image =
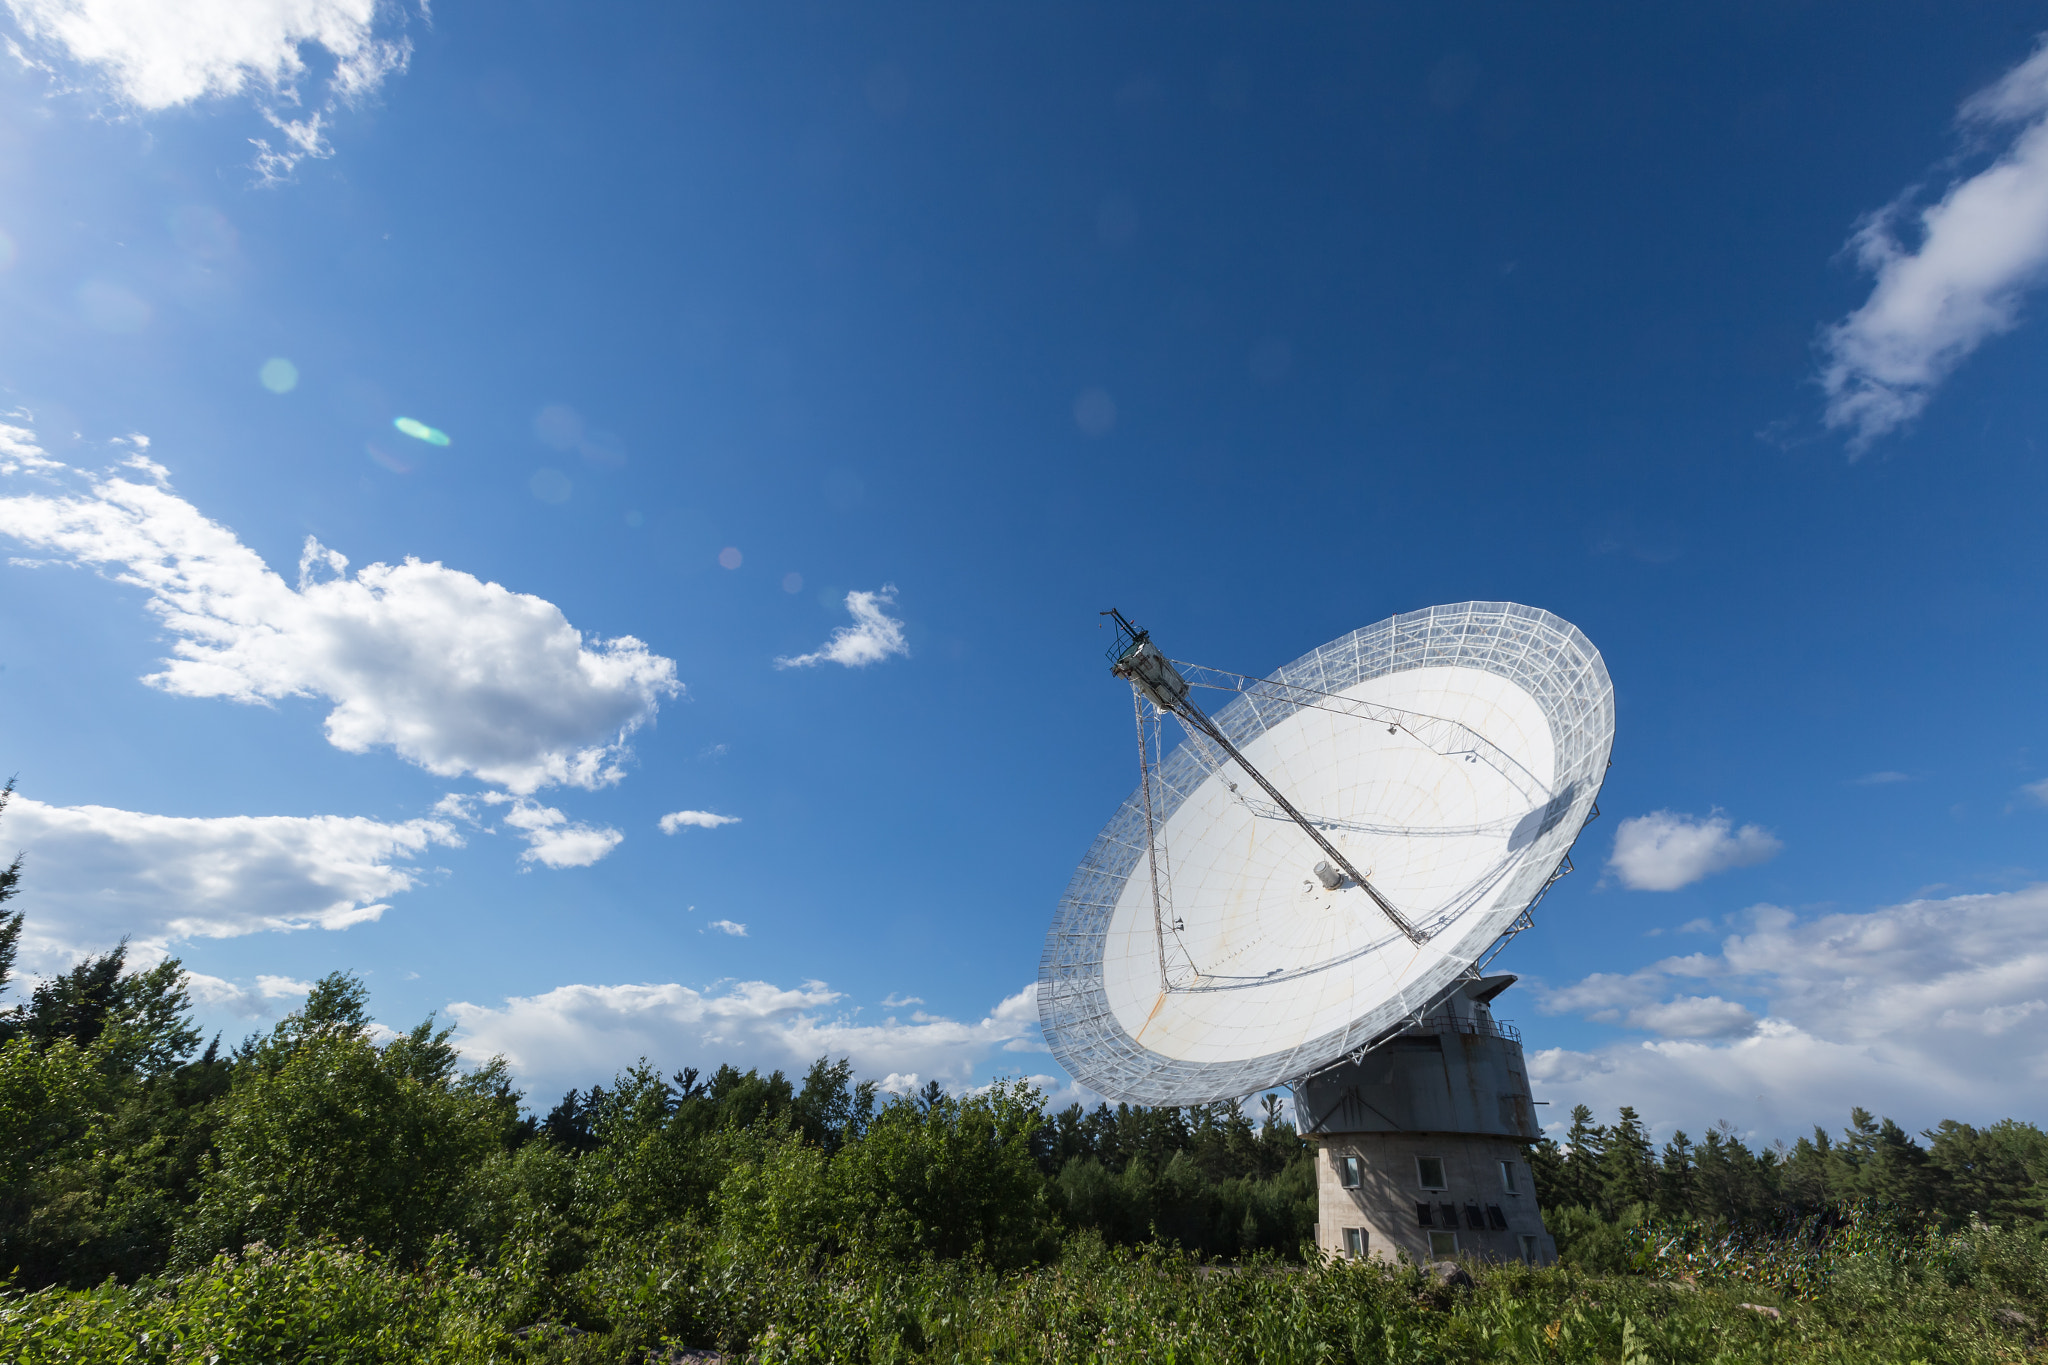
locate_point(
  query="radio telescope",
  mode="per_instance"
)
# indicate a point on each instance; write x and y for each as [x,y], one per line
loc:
[1331,853]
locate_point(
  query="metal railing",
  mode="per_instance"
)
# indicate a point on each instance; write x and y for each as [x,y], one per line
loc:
[1483,1028]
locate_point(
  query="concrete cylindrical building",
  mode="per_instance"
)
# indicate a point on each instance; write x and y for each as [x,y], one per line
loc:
[1422,1144]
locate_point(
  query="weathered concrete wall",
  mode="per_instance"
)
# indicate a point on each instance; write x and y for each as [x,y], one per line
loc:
[1385,1203]
[1453,1089]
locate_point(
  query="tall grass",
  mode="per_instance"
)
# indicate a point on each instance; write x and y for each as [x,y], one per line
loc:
[1861,1290]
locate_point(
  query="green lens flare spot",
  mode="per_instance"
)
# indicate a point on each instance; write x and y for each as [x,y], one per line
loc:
[278,375]
[420,431]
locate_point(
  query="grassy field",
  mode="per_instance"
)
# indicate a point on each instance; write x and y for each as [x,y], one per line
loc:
[1864,1292]
[327,1193]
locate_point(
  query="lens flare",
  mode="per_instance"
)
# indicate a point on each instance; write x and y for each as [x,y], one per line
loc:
[111,308]
[550,485]
[792,582]
[420,431]
[384,457]
[729,558]
[278,375]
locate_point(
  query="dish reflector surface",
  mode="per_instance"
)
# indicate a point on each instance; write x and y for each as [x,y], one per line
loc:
[1451,754]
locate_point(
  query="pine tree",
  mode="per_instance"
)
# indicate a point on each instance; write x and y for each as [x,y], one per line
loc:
[1624,1165]
[10,882]
[1584,1142]
[1675,1178]
[1804,1181]
[1998,1174]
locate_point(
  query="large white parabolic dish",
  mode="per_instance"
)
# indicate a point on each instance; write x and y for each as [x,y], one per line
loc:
[1452,755]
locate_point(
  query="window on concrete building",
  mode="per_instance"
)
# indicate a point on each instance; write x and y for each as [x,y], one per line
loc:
[1355,1240]
[1474,1219]
[1425,1214]
[1350,1172]
[1429,1170]
[1447,1215]
[1507,1177]
[1529,1252]
[1495,1219]
[1443,1243]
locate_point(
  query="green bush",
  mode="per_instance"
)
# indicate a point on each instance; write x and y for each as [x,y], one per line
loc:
[323,1196]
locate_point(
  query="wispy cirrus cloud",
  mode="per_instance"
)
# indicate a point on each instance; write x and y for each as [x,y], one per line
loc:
[19,452]
[874,635]
[1665,850]
[1955,280]
[459,676]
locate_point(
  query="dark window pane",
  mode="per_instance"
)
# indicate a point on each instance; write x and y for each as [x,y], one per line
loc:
[1495,1219]
[1422,1215]
[1474,1219]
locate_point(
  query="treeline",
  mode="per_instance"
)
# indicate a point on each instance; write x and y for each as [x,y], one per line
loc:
[127,1150]
[318,1194]
[323,1180]
[1963,1174]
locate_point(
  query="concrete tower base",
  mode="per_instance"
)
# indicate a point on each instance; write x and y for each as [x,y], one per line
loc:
[1421,1145]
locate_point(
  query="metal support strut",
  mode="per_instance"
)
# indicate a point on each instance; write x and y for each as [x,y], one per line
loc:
[1149,671]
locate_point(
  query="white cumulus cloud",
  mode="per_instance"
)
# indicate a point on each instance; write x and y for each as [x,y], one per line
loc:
[726,926]
[694,819]
[93,874]
[1664,850]
[552,838]
[1960,282]
[573,1035]
[2038,790]
[1924,1011]
[258,998]
[873,636]
[452,673]
[160,54]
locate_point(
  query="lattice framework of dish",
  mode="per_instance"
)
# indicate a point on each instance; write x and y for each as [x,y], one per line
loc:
[1451,755]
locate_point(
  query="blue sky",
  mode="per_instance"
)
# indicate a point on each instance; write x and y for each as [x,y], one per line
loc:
[901,341]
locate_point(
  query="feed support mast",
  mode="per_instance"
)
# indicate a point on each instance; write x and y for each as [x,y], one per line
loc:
[1152,673]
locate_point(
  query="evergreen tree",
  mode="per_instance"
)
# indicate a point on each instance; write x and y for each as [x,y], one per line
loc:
[1546,1167]
[1877,1159]
[1585,1142]
[1675,1177]
[1624,1165]
[1806,1182]
[1998,1174]
[10,882]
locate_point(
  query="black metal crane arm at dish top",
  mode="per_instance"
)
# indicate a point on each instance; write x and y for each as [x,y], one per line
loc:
[1139,660]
